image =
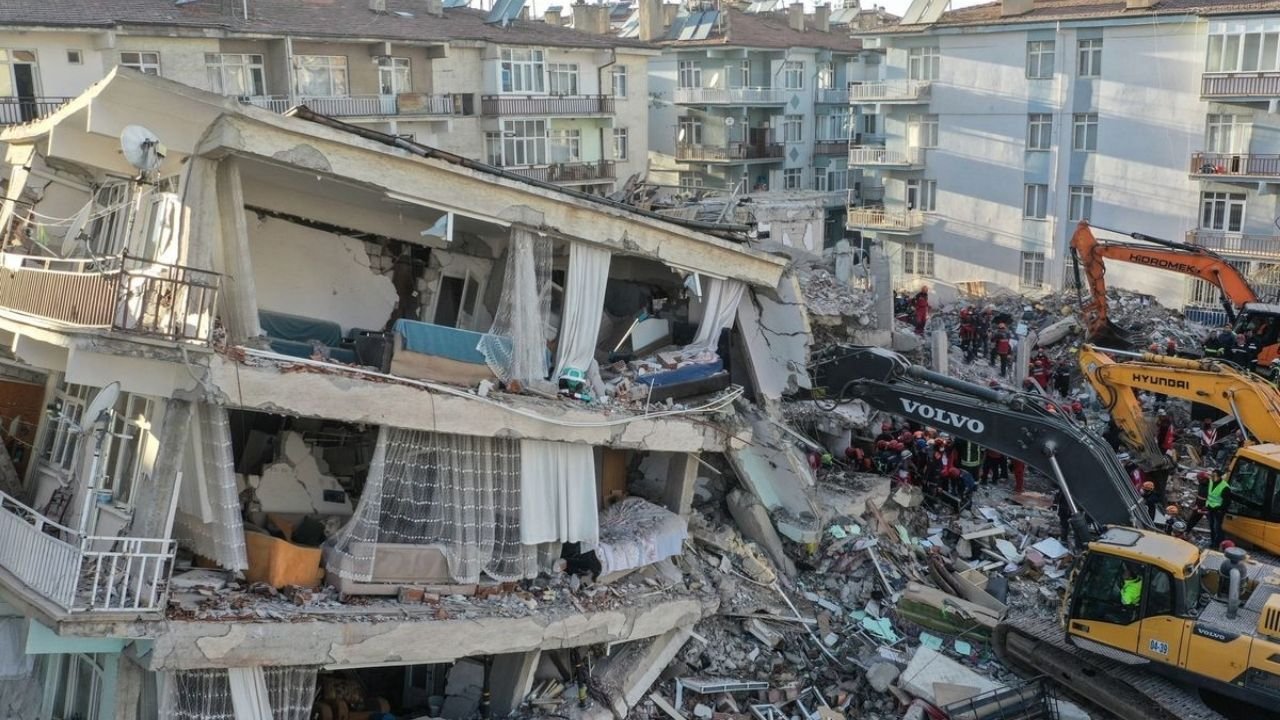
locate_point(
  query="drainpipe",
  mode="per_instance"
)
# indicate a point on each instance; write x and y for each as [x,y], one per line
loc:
[288,64]
[613,60]
[1065,129]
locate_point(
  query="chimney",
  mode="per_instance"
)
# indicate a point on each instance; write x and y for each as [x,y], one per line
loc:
[822,18]
[435,8]
[551,18]
[795,16]
[1014,7]
[592,19]
[524,12]
[378,6]
[651,27]
[669,12]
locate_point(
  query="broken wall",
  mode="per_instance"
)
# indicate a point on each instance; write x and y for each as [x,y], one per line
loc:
[775,328]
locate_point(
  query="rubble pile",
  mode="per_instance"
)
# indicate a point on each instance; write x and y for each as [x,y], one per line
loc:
[837,310]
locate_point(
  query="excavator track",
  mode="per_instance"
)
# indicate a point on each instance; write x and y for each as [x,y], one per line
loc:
[1131,692]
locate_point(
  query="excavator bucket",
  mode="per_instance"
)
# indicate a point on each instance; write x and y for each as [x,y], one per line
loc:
[1113,336]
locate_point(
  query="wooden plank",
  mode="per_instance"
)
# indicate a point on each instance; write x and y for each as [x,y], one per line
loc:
[666,707]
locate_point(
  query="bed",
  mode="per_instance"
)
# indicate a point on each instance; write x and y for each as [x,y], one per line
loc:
[634,533]
[425,351]
[294,334]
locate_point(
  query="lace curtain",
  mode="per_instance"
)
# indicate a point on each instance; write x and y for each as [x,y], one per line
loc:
[515,348]
[278,693]
[209,521]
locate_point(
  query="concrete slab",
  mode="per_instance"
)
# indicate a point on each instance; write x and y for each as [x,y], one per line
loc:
[930,672]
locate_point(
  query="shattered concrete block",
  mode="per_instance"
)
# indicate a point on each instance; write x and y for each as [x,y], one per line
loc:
[881,675]
[702,711]
[762,632]
[754,523]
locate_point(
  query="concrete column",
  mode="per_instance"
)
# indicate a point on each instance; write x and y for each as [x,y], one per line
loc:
[18,158]
[155,498]
[239,296]
[633,670]
[129,681]
[682,478]
[201,219]
[940,345]
[844,261]
[882,282]
[1021,360]
[511,680]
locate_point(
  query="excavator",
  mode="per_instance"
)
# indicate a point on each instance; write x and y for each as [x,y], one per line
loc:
[1259,322]
[1199,619]
[1253,512]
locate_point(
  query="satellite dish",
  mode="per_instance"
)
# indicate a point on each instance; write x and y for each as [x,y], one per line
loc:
[101,404]
[141,148]
[730,121]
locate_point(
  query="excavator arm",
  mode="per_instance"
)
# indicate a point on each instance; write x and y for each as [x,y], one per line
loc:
[1090,253]
[1016,424]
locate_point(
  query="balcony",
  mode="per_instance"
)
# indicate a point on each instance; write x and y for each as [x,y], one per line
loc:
[833,96]
[1240,86]
[123,294]
[908,91]
[872,193]
[876,156]
[731,96]
[870,218]
[83,573]
[1234,166]
[733,152]
[1260,247]
[576,172]
[15,110]
[402,105]
[831,147]
[572,105]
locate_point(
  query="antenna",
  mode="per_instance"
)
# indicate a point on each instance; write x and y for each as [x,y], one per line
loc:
[101,405]
[141,148]
[98,413]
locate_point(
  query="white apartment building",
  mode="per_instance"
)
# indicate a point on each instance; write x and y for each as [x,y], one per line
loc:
[1007,123]
[545,101]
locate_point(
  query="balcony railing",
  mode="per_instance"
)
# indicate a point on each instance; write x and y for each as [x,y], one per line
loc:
[124,294]
[568,172]
[879,219]
[876,155]
[892,91]
[1261,85]
[833,96]
[14,110]
[1235,164]
[83,573]
[831,147]
[274,103]
[546,105]
[731,96]
[729,153]
[1262,247]
[411,104]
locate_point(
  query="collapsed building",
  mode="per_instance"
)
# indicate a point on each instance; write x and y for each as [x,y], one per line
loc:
[278,409]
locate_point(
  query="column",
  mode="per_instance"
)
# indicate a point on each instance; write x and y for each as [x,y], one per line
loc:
[239,296]
[511,680]
[681,480]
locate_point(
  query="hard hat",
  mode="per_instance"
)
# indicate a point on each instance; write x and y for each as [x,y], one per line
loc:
[1148,485]
[1171,510]
[886,425]
[1226,545]
[1202,475]
[1076,406]
[1153,348]
[882,444]
[1179,526]
[918,434]
[905,454]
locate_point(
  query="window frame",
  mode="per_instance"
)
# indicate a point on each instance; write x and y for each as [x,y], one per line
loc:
[1084,132]
[1040,52]
[1220,209]
[61,442]
[914,256]
[255,71]
[520,66]
[568,140]
[688,74]
[141,64]
[1220,45]
[1035,201]
[793,178]
[520,149]
[621,144]
[618,80]
[1032,267]
[793,74]
[1039,132]
[131,428]
[793,129]
[826,77]
[1089,57]
[688,130]
[563,74]
[399,71]
[925,130]
[924,63]
[1080,205]
[331,64]
[1225,133]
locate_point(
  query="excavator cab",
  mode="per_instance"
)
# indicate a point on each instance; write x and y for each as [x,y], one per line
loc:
[1253,508]
[1260,325]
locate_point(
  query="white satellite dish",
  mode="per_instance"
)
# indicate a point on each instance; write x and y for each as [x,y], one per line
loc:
[730,121]
[101,405]
[141,148]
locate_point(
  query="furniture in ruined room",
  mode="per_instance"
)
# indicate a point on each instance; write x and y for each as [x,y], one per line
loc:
[635,533]
[294,335]
[395,565]
[279,562]
[426,351]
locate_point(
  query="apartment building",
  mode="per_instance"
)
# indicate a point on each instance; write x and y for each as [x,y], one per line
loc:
[756,103]
[545,101]
[1009,122]
[263,355]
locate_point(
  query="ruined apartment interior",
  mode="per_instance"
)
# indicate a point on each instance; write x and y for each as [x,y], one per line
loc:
[288,401]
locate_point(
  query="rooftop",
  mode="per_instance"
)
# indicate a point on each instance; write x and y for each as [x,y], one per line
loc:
[769,30]
[1055,10]
[405,20]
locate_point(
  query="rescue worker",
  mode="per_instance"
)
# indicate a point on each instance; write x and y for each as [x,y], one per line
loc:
[1062,379]
[968,333]
[960,482]
[1172,516]
[967,455]
[886,432]
[1019,470]
[1164,433]
[1217,493]
[994,467]
[1130,588]
[1002,348]
[984,331]
[904,473]
[1199,510]
[1064,518]
[1041,370]
[1150,498]
[920,305]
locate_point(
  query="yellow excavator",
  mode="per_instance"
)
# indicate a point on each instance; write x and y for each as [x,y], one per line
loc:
[1253,512]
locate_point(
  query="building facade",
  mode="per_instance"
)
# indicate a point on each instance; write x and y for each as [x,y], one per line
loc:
[1008,123]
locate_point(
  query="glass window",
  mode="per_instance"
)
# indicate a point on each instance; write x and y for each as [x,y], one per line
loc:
[1040,59]
[917,259]
[1032,269]
[129,445]
[835,127]
[792,178]
[1090,58]
[689,131]
[690,74]
[1097,594]
[235,74]
[1157,593]
[826,76]
[793,128]
[621,144]
[393,76]
[524,142]
[563,78]
[870,122]
[144,62]
[1081,202]
[1084,132]
[923,63]
[523,71]
[922,131]
[619,79]
[62,438]
[741,75]
[322,75]
[690,180]
[1222,211]
[1224,133]
[493,148]
[793,75]
[565,145]
[1036,202]
[1250,489]
[1039,131]
[921,194]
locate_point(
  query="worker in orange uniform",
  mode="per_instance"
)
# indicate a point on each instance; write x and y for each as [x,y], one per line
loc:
[920,303]
[1019,470]
[1002,347]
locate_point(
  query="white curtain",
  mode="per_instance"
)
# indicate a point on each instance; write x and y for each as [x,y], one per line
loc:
[558,493]
[583,307]
[209,521]
[249,693]
[720,300]
[515,348]
[21,695]
[292,691]
[197,695]
[256,693]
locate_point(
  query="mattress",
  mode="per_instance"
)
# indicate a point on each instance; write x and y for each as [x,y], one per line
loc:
[635,533]
[683,374]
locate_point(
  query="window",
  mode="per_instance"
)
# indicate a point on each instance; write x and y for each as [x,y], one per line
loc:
[870,122]
[62,438]
[1089,54]
[1039,131]
[917,259]
[1032,269]
[621,144]
[619,79]
[522,71]
[1081,202]
[690,131]
[1097,595]
[838,127]
[564,78]
[831,180]
[493,148]
[1084,132]
[1222,211]
[129,444]
[393,76]
[1243,52]
[1157,593]
[923,63]
[743,75]
[826,76]
[78,681]
[793,128]
[921,195]
[690,180]
[322,75]
[690,74]
[143,62]
[1040,59]
[1036,202]
[792,178]
[1224,133]
[1249,489]
[793,75]
[235,74]
[922,131]
[565,145]
[75,57]
[524,142]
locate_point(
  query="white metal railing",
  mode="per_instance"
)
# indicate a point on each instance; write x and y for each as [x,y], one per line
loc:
[352,105]
[1266,247]
[730,96]
[880,219]
[877,155]
[274,103]
[83,573]
[889,91]
[833,96]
